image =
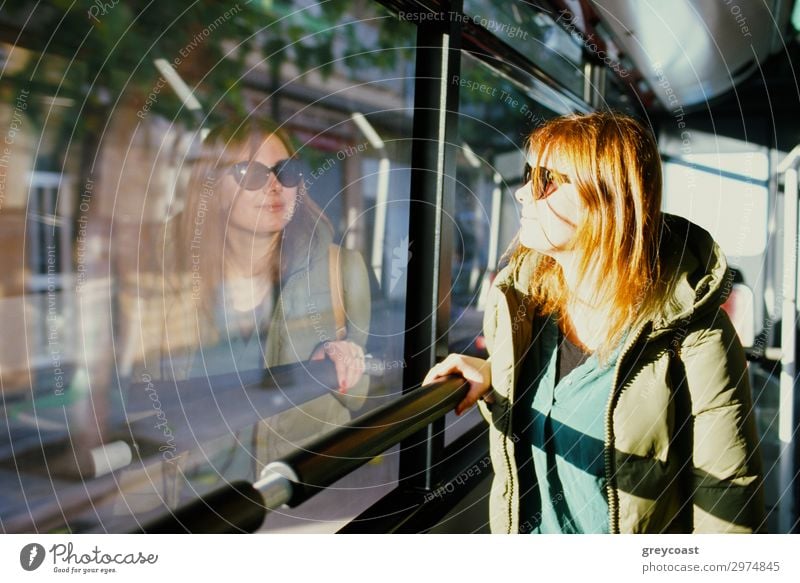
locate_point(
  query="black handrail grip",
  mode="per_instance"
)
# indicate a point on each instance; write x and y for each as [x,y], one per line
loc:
[349,447]
[241,507]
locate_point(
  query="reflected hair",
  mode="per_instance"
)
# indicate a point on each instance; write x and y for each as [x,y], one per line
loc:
[613,162]
[201,228]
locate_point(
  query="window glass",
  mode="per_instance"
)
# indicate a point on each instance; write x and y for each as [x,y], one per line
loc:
[535,33]
[748,165]
[742,236]
[714,151]
[186,197]
[617,97]
[735,212]
[494,120]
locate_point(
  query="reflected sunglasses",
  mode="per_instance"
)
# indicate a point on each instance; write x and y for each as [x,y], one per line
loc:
[254,175]
[543,180]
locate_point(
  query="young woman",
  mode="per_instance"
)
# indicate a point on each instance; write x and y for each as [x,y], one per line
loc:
[251,281]
[256,250]
[616,388]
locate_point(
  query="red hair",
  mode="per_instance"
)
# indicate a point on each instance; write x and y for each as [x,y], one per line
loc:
[614,164]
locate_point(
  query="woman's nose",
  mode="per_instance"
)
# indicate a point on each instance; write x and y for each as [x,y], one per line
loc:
[272,185]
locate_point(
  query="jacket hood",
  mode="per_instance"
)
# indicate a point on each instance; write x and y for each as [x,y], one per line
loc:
[697,269]
[690,258]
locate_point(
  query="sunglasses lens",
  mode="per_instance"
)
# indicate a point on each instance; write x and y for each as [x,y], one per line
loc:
[545,183]
[250,175]
[542,180]
[254,175]
[289,172]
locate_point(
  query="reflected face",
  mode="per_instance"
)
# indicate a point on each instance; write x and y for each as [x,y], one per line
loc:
[550,220]
[269,206]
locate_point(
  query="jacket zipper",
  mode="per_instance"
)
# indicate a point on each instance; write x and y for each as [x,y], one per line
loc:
[608,450]
[613,510]
[509,471]
[508,429]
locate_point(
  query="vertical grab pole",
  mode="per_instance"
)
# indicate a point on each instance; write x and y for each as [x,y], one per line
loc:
[430,228]
[786,413]
[494,240]
[381,194]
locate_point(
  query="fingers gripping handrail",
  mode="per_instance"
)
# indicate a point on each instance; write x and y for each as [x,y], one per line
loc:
[241,507]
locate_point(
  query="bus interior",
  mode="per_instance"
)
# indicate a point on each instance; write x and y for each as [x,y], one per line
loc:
[410,119]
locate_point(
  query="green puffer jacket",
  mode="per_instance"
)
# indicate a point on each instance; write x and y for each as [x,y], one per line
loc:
[663,474]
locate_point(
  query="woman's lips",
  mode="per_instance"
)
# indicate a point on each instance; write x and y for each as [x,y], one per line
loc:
[273,208]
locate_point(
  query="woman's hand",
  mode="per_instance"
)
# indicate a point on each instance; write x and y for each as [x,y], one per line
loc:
[476,371]
[347,357]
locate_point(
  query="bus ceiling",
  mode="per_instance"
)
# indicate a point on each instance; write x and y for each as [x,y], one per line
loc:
[709,58]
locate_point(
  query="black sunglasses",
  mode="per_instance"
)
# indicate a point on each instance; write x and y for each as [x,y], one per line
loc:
[252,175]
[543,180]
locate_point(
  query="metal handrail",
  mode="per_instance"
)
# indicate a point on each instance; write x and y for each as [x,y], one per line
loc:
[787,417]
[241,507]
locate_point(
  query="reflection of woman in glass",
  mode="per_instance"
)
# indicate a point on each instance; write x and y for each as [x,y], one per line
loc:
[254,282]
[251,236]
[617,390]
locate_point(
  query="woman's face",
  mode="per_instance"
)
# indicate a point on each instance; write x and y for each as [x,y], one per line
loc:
[548,224]
[268,208]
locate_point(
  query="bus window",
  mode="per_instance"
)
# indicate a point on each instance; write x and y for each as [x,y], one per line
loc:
[494,119]
[722,186]
[217,191]
[551,39]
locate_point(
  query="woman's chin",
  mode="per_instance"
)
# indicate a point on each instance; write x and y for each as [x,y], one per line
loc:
[269,226]
[534,243]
